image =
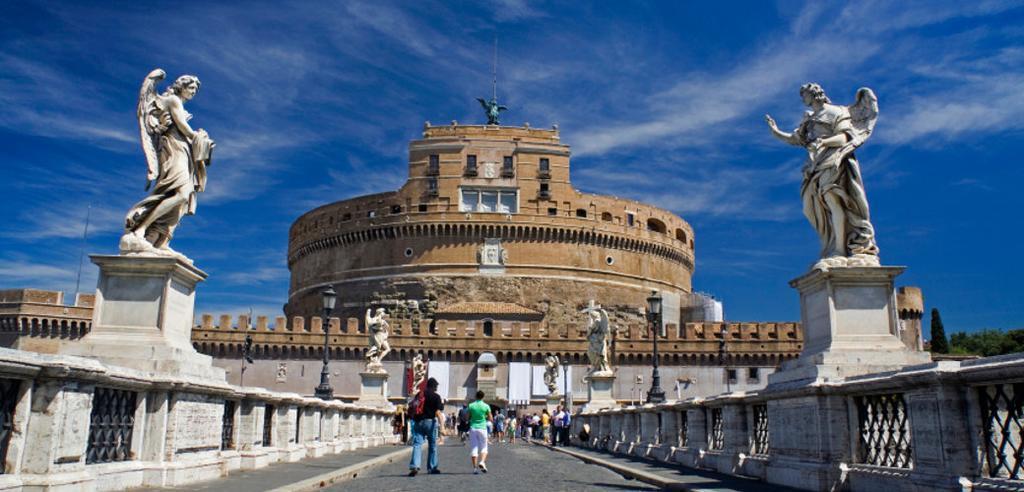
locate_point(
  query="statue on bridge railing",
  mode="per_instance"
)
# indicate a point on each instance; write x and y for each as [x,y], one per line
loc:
[378,328]
[176,158]
[551,364]
[833,194]
[598,334]
[419,374]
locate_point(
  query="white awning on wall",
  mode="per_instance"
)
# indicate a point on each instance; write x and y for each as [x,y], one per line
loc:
[540,390]
[439,370]
[519,383]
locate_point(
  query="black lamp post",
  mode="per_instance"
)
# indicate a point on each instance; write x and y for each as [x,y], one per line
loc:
[656,394]
[324,390]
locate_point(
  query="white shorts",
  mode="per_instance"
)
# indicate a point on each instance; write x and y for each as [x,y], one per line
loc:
[477,441]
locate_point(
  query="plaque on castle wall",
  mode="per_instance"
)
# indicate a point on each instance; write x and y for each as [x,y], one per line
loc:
[492,256]
[282,372]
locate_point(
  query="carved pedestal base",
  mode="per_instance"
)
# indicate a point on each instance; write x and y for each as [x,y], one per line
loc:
[552,401]
[143,317]
[599,393]
[373,389]
[849,317]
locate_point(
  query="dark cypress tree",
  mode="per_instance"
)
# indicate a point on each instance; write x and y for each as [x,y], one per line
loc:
[939,343]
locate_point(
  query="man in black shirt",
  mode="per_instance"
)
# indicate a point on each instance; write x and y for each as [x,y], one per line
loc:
[428,421]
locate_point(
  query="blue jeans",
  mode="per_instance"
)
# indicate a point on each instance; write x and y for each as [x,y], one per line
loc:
[424,430]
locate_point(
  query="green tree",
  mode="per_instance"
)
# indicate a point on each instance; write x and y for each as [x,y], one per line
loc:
[939,343]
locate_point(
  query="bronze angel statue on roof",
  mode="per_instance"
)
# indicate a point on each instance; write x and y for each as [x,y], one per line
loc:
[176,157]
[493,110]
[833,194]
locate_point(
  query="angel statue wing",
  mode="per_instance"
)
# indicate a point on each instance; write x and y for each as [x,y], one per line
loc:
[151,123]
[485,104]
[863,114]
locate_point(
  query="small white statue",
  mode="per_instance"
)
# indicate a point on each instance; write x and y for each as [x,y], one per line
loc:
[833,194]
[419,373]
[176,157]
[551,364]
[378,328]
[598,334]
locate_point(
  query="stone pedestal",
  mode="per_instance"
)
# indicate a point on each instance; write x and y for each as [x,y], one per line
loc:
[599,393]
[849,318]
[373,389]
[552,401]
[143,317]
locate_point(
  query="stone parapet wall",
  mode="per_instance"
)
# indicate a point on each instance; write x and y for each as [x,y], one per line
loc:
[78,424]
[941,426]
[753,344]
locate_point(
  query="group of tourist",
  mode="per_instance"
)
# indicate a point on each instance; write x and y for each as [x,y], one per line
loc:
[476,424]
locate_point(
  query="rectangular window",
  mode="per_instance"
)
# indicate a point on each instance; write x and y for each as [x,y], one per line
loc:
[469,200]
[432,186]
[507,163]
[507,203]
[435,164]
[630,219]
[423,207]
[488,200]
[471,163]
[753,374]
[552,211]
[545,164]
[371,214]
[396,209]
[730,374]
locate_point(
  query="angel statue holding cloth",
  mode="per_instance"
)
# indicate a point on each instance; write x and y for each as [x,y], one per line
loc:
[833,194]
[176,157]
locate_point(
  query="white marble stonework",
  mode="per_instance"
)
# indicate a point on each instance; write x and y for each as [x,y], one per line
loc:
[373,389]
[194,416]
[143,317]
[850,324]
[599,393]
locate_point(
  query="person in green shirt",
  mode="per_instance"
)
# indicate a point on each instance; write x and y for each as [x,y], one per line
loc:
[479,414]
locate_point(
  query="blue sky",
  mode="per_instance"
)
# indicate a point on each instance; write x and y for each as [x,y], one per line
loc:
[312,102]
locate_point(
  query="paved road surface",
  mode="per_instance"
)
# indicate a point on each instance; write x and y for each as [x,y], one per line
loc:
[522,467]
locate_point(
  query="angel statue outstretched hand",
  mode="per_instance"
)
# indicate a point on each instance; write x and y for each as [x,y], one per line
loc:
[833,194]
[492,109]
[176,157]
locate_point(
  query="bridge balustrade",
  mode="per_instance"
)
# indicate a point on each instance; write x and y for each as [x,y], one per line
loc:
[942,426]
[74,422]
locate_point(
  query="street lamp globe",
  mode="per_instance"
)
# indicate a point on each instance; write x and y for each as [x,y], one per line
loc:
[330,297]
[654,305]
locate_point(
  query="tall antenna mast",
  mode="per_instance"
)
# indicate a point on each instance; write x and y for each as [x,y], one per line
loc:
[81,253]
[495,73]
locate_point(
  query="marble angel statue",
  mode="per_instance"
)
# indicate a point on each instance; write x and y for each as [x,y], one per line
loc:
[176,157]
[598,335]
[378,328]
[419,373]
[551,364]
[833,194]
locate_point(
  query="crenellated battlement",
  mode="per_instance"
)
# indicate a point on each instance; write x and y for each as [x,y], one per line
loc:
[692,343]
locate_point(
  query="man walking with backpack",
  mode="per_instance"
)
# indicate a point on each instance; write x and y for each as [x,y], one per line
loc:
[428,421]
[479,415]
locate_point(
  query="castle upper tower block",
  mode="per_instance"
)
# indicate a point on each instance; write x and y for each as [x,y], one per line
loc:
[488,227]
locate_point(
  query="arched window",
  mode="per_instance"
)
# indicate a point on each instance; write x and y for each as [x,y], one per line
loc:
[488,328]
[606,216]
[681,235]
[656,226]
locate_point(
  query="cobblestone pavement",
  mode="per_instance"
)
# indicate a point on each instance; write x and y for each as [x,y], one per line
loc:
[523,467]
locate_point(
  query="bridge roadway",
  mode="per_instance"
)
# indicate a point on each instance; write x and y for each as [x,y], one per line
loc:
[522,466]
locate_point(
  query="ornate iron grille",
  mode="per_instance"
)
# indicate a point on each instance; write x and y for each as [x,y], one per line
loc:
[717,438]
[1002,406]
[684,438]
[268,423]
[760,437]
[227,429]
[111,425]
[884,435]
[9,389]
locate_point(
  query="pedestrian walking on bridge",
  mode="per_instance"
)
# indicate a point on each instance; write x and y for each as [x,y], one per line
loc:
[428,420]
[479,416]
